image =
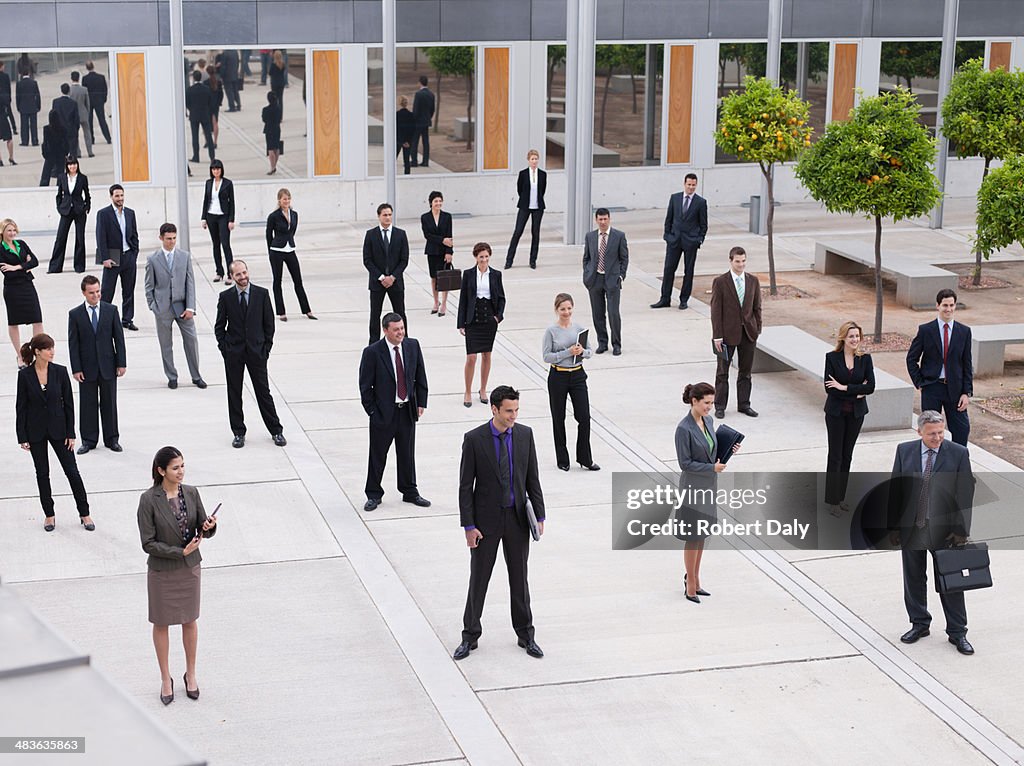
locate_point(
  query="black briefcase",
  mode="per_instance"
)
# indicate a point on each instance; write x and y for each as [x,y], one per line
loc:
[960,568]
[448,280]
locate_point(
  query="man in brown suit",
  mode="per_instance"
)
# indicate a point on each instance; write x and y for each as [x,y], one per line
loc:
[735,325]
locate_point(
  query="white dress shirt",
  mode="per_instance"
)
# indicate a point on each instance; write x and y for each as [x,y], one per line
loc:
[534,204]
[215,208]
[483,284]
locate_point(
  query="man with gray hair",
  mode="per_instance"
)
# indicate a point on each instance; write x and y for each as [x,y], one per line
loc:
[930,499]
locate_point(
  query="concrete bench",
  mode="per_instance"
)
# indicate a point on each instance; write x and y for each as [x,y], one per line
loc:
[603,157]
[916,282]
[464,129]
[988,346]
[785,348]
[375,128]
[556,122]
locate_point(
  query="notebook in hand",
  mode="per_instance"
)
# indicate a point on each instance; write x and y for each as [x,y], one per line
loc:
[723,354]
[583,338]
[727,439]
[531,518]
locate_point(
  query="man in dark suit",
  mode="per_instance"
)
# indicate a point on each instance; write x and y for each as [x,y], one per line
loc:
[735,326]
[227,68]
[531,185]
[393,390]
[931,495]
[940,365]
[605,260]
[686,225]
[29,103]
[97,352]
[423,103]
[245,334]
[497,474]
[96,84]
[385,256]
[67,110]
[5,98]
[117,248]
[199,105]
[80,96]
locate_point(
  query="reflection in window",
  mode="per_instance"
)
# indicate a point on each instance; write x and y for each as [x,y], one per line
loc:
[252,104]
[82,115]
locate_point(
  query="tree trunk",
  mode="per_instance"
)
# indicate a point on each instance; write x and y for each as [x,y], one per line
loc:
[632,81]
[437,105]
[470,127]
[551,80]
[770,223]
[721,76]
[878,279]
[604,103]
[976,281]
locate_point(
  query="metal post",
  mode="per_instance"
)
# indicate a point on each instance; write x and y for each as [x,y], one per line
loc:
[389,38]
[650,113]
[802,68]
[946,64]
[179,158]
[572,114]
[771,71]
[585,124]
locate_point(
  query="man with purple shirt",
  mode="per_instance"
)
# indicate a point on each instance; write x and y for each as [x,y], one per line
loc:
[497,475]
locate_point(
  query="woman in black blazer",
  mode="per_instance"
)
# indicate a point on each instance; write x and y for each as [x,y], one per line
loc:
[481,309]
[272,116]
[849,378]
[46,414]
[16,262]
[437,231]
[281,226]
[219,216]
[73,205]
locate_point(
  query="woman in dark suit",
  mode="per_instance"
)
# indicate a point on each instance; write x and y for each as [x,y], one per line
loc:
[54,147]
[46,415]
[481,309]
[217,89]
[73,205]
[437,231]
[849,378]
[219,216]
[16,262]
[271,116]
[281,226]
[405,130]
[172,523]
[696,451]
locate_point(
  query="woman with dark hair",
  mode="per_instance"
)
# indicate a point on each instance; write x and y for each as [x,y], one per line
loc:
[45,414]
[172,523]
[566,378]
[219,217]
[437,231]
[481,309]
[54,147]
[16,262]
[271,116]
[214,84]
[278,77]
[7,128]
[697,453]
[849,378]
[73,205]
[281,227]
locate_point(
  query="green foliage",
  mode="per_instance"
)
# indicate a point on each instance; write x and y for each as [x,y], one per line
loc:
[556,56]
[1000,202]
[983,112]
[455,60]
[912,60]
[763,123]
[755,56]
[878,163]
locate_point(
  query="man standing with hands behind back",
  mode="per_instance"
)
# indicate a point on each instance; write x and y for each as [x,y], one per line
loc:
[423,104]
[940,364]
[117,248]
[385,256]
[686,225]
[735,326]
[497,474]
[605,260]
[97,352]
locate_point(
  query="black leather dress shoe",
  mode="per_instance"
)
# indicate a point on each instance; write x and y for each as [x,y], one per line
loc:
[199,383]
[463,650]
[749,411]
[531,648]
[533,264]
[508,264]
[371,504]
[616,352]
[172,384]
[130,326]
[916,632]
[683,306]
[419,500]
[239,441]
[279,440]
[661,305]
[115,447]
[962,644]
[83,449]
[719,414]
[601,349]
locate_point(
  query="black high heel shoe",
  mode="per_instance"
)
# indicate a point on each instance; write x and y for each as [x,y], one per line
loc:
[591,467]
[90,527]
[170,698]
[563,467]
[700,591]
[694,599]
[191,695]
[48,526]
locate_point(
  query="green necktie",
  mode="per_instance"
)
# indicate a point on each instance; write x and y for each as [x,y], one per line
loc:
[740,289]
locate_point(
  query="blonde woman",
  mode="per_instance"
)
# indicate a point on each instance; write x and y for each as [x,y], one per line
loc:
[16,262]
[281,226]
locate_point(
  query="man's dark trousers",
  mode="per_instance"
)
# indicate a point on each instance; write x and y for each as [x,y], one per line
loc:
[402,431]
[235,366]
[915,585]
[127,272]
[745,363]
[98,398]
[936,397]
[601,295]
[672,255]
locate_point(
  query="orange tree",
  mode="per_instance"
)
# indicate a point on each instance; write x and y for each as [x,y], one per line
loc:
[878,164]
[766,125]
[1000,200]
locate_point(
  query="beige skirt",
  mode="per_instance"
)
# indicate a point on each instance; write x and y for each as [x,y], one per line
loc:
[174,596]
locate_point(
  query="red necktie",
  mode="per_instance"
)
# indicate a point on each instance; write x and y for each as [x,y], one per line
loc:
[403,392]
[945,343]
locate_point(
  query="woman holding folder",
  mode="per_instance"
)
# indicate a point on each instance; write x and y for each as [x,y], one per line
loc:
[481,309]
[172,523]
[697,453]
[564,348]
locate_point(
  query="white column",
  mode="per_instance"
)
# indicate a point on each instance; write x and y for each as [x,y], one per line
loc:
[869,65]
[354,109]
[1017,54]
[390,97]
[705,97]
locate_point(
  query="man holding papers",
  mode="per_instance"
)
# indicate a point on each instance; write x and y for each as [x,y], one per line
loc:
[735,325]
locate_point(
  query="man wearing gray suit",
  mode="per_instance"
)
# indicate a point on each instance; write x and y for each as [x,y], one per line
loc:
[171,296]
[605,260]
[80,95]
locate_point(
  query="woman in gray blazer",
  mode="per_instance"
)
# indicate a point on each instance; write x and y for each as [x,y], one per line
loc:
[696,451]
[172,523]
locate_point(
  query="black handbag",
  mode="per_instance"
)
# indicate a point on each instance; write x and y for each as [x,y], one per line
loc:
[449,279]
[963,567]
